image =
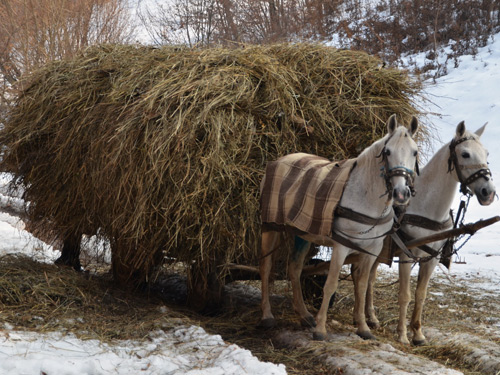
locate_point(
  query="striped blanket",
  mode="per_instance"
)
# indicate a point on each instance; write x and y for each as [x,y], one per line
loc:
[302,191]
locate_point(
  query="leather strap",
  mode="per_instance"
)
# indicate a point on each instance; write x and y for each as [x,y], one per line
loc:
[402,246]
[406,238]
[423,222]
[349,214]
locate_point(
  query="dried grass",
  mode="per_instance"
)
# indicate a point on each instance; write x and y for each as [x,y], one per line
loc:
[42,298]
[162,150]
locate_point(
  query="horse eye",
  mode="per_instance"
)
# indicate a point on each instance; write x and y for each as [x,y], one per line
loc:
[387,152]
[465,155]
[415,153]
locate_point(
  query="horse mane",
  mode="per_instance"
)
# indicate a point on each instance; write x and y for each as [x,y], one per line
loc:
[373,151]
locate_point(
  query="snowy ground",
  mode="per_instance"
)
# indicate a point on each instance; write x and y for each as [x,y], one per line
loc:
[467,93]
[470,93]
[184,350]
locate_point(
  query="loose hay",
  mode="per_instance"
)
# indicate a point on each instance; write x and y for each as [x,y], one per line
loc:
[162,149]
[41,297]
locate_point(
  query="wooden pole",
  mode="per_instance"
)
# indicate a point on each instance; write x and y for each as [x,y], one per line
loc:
[322,268]
[467,228]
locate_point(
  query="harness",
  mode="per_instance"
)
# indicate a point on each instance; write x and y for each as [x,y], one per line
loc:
[399,235]
[387,173]
[446,251]
[423,222]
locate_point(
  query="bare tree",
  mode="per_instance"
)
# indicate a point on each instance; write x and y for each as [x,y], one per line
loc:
[207,22]
[33,32]
[190,22]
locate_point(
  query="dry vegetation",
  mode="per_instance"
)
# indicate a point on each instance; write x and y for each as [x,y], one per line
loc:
[36,32]
[205,121]
[162,150]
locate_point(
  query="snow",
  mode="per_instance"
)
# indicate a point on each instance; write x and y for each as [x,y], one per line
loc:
[184,350]
[469,92]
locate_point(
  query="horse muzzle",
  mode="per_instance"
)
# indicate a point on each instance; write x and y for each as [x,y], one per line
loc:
[485,195]
[401,196]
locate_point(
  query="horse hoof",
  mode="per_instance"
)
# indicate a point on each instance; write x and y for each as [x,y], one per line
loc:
[367,335]
[419,342]
[267,323]
[308,322]
[373,325]
[318,336]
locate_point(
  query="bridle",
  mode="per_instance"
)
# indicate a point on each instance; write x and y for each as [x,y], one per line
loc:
[483,170]
[387,173]
[447,249]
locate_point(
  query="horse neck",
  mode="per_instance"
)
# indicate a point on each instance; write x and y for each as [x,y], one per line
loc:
[366,185]
[435,188]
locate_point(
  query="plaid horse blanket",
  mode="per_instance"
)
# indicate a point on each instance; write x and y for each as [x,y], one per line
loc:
[302,190]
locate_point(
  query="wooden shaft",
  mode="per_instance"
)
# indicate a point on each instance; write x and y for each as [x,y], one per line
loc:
[467,228]
[322,268]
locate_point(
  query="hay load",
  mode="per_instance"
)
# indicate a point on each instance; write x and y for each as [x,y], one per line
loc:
[161,150]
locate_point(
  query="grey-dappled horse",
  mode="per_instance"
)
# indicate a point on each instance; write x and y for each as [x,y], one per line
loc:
[383,175]
[462,161]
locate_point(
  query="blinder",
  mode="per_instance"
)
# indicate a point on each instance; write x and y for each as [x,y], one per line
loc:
[482,172]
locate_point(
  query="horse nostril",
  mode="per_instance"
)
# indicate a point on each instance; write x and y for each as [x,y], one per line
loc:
[395,194]
[484,192]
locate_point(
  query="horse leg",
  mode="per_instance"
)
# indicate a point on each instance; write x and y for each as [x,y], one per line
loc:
[269,242]
[296,264]
[339,253]
[404,297]
[372,319]
[361,273]
[70,253]
[424,275]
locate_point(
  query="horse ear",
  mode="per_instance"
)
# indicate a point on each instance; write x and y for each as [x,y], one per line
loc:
[413,125]
[461,129]
[392,124]
[479,132]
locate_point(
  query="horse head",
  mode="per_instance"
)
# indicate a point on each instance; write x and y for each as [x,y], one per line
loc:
[468,158]
[400,160]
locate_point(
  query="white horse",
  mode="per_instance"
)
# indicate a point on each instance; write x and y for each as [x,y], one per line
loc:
[384,168]
[462,161]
